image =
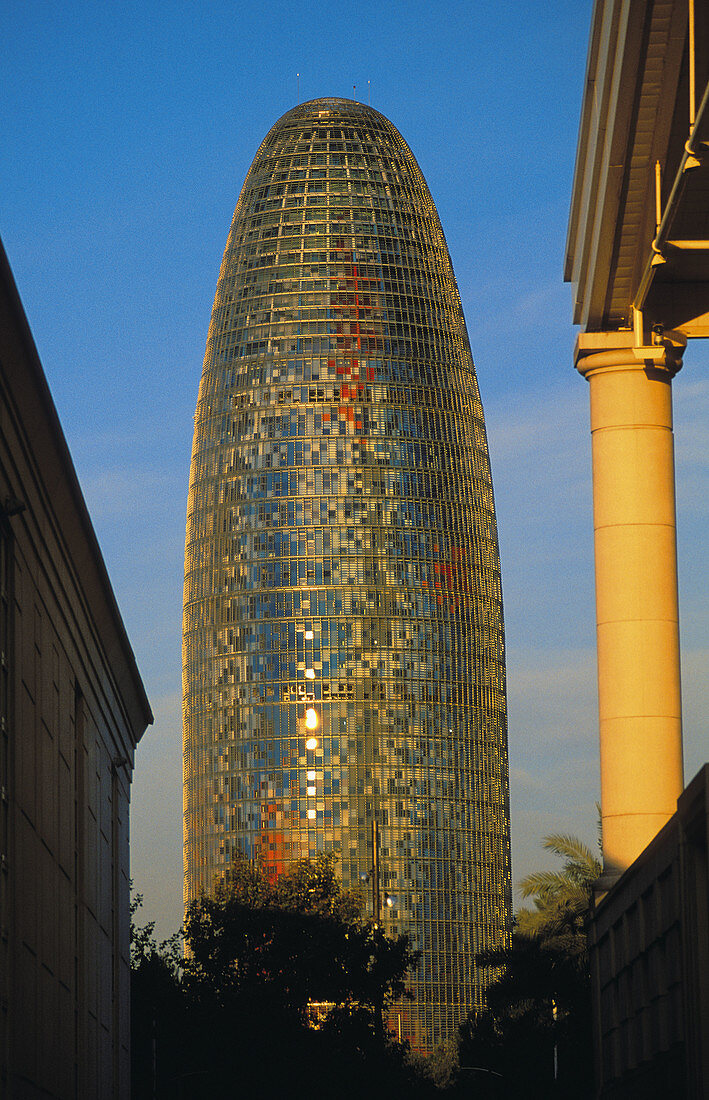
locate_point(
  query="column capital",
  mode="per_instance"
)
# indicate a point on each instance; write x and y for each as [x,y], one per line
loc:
[602,351]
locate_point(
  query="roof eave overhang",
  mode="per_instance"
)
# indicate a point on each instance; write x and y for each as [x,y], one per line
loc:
[634,115]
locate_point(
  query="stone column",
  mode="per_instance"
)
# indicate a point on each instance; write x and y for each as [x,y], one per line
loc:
[636,589]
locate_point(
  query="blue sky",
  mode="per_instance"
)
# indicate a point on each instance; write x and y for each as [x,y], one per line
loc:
[128,131]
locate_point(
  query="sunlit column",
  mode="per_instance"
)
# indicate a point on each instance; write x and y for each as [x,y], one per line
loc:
[636,590]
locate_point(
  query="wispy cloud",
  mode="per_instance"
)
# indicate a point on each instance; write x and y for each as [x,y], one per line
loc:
[552,699]
[553,749]
[691,423]
[156,816]
[695,709]
[126,491]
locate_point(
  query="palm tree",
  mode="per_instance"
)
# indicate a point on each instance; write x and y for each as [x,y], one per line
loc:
[562,898]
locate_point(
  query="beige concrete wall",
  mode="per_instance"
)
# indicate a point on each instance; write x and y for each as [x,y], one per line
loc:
[69,866]
[71,711]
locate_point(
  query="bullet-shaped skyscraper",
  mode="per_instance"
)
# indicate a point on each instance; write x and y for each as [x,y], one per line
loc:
[343,635]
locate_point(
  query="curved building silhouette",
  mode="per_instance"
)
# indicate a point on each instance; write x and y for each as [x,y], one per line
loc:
[343,632]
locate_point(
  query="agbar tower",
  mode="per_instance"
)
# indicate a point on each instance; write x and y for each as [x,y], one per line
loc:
[343,631]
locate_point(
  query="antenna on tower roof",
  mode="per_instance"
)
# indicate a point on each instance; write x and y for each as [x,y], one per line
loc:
[298,85]
[354,89]
[369,92]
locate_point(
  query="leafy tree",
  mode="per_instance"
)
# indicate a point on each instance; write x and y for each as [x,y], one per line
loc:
[157,1008]
[279,993]
[144,948]
[287,944]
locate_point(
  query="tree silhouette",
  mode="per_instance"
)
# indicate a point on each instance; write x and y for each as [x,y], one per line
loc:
[289,944]
[536,1030]
[278,992]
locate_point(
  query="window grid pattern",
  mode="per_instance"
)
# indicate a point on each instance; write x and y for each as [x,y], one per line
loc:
[342,558]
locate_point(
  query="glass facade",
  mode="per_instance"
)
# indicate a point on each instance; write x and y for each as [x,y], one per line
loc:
[343,639]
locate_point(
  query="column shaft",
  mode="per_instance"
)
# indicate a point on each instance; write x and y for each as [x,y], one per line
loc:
[636,598]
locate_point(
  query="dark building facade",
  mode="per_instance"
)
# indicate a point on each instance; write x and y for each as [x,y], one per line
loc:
[650,964]
[343,636]
[72,709]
